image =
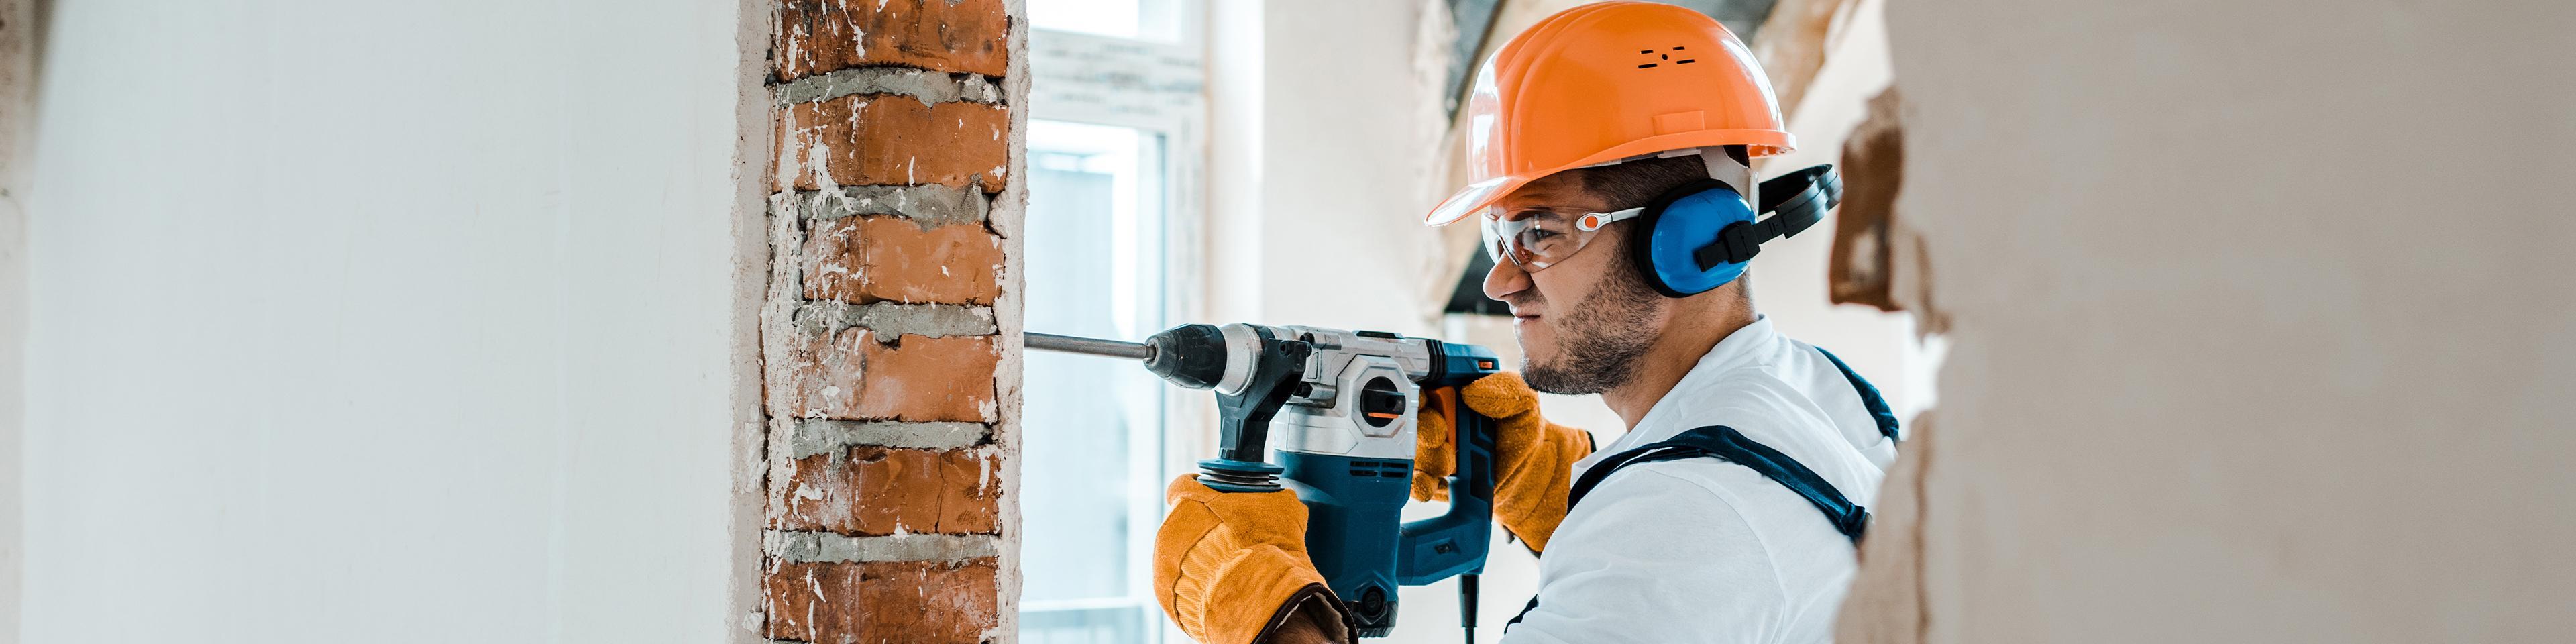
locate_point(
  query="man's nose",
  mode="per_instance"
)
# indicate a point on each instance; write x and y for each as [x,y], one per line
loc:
[1505,280]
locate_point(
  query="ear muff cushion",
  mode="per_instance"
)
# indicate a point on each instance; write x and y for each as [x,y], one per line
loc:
[1682,221]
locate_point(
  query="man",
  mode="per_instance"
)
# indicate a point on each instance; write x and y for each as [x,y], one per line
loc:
[1611,144]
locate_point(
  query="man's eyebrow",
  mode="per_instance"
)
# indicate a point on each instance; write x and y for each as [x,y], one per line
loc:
[1535,212]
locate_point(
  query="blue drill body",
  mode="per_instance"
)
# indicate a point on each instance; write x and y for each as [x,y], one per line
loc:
[1338,409]
[1353,530]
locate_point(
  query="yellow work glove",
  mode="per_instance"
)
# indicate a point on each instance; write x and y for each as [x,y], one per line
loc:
[1533,459]
[1231,568]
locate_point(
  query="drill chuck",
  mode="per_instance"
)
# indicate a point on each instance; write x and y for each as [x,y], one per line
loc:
[1189,355]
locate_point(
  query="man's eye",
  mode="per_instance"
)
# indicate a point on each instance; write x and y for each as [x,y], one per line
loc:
[1540,234]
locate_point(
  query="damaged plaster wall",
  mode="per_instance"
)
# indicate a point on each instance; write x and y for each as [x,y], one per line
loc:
[2261,320]
[1789,277]
[409,321]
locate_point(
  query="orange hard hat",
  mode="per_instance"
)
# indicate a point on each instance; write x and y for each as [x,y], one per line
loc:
[1605,82]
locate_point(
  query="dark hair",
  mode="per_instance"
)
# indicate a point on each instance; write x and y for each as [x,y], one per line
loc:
[1632,184]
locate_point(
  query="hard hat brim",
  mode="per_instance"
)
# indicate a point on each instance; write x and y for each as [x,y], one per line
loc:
[1477,196]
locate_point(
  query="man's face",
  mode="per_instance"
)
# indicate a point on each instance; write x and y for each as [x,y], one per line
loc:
[1585,321]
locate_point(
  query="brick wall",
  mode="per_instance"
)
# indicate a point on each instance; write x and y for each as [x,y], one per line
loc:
[888,335]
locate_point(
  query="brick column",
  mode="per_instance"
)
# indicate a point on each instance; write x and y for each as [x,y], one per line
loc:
[889,334]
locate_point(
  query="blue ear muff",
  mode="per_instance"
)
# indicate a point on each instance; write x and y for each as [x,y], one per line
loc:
[1699,236]
[1671,231]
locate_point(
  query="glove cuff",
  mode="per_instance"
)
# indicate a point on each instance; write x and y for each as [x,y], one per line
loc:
[1530,498]
[1252,594]
[1316,596]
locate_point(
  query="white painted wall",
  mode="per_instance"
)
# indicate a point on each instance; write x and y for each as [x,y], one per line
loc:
[386,321]
[17,73]
[1316,166]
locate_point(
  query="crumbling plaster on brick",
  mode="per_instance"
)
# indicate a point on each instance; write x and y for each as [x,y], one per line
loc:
[900,601]
[890,258]
[753,260]
[877,139]
[859,301]
[929,86]
[893,319]
[824,435]
[934,34]
[779,337]
[927,205]
[813,547]
[880,490]
[1008,213]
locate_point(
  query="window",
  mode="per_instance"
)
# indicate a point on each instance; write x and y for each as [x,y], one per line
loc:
[1158,21]
[1114,153]
[1093,429]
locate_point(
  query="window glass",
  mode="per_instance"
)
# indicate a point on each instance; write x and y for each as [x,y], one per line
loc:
[1155,20]
[1092,427]
[1117,114]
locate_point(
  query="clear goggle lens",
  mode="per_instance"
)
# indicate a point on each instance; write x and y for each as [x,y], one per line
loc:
[1535,238]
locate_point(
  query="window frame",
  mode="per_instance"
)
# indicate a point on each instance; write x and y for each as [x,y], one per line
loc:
[1157,88]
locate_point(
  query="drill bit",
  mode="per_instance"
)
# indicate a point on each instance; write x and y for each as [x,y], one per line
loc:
[1093,346]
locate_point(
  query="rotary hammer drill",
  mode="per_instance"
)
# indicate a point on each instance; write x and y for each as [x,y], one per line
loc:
[1338,408]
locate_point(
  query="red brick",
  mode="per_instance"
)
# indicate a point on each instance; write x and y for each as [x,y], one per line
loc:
[887,140]
[947,378]
[816,36]
[871,490]
[883,601]
[880,258]
[850,375]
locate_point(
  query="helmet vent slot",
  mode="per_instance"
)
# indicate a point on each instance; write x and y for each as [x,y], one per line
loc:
[1660,59]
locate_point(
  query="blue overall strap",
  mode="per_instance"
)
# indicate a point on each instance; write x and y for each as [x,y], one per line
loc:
[1724,443]
[1869,398]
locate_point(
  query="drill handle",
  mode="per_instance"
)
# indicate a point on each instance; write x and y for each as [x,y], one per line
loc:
[1454,543]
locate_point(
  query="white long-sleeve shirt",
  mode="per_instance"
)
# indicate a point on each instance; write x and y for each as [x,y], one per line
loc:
[1703,550]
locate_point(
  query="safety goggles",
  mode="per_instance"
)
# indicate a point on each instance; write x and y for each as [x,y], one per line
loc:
[1535,238]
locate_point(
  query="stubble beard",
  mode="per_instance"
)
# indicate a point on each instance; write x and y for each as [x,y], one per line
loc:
[1602,342]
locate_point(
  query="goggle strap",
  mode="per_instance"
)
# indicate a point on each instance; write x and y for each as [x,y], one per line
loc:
[1592,221]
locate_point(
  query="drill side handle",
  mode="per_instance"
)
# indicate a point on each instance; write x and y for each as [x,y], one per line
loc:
[1243,418]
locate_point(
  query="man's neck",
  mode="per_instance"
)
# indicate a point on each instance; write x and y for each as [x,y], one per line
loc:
[1688,336]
